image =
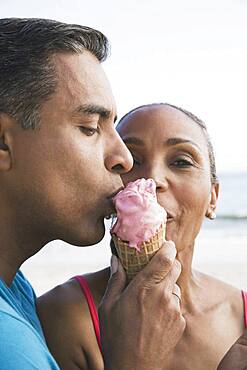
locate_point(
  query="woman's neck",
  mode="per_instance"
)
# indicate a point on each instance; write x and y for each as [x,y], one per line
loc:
[189,281]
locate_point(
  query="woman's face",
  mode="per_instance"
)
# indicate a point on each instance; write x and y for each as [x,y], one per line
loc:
[171,148]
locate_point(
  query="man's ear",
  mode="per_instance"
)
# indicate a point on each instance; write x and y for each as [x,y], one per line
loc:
[5,147]
[213,199]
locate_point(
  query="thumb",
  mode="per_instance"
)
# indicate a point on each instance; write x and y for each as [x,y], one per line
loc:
[159,266]
[116,283]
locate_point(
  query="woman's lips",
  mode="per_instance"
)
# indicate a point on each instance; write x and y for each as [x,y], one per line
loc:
[169,217]
[115,192]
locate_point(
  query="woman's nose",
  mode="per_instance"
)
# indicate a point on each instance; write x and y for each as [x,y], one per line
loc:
[159,175]
[161,184]
[118,158]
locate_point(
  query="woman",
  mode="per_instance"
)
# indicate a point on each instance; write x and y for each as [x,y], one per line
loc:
[171,146]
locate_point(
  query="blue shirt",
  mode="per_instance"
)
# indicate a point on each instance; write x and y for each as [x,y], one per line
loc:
[22,343]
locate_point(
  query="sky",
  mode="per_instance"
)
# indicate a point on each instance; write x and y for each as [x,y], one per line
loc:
[190,53]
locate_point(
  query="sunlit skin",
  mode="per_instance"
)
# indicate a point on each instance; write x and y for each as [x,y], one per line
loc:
[169,147]
[172,151]
[48,175]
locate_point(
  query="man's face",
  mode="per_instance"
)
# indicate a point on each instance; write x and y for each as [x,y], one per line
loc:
[68,169]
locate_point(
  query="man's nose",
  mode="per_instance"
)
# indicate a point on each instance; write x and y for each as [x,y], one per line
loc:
[118,158]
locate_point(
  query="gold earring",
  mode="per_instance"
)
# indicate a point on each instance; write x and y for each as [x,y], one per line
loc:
[211,215]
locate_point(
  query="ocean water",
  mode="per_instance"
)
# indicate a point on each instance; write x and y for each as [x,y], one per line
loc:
[233,197]
[231,208]
[224,240]
[221,247]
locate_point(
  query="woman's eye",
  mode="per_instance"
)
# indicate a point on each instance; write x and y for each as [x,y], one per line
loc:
[89,131]
[136,161]
[182,163]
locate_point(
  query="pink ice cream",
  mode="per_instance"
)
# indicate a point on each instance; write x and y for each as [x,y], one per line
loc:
[139,215]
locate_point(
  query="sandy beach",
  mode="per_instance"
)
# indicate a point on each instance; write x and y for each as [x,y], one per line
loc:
[232,273]
[224,258]
[45,278]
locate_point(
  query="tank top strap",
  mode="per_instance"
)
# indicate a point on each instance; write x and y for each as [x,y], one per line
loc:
[91,305]
[244,295]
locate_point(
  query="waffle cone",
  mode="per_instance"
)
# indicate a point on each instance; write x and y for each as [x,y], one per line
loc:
[134,261]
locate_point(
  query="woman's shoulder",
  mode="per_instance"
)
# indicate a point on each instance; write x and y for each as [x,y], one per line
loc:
[226,289]
[69,296]
[60,300]
[64,313]
[64,328]
[97,283]
[225,295]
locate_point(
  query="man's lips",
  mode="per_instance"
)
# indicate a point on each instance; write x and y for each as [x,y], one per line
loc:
[111,208]
[115,192]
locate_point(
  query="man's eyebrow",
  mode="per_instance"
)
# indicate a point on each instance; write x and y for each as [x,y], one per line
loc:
[94,109]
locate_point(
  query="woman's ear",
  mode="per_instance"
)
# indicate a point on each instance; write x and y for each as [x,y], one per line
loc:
[214,195]
[5,154]
[213,202]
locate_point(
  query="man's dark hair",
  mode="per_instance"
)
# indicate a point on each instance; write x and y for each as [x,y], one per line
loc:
[198,121]
[27,71]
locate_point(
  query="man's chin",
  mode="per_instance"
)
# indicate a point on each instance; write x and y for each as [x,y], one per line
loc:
[95,239]
[90,237]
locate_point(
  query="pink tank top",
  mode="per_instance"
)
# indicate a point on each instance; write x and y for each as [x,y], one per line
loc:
[94,314]
[91,305]
[244,294]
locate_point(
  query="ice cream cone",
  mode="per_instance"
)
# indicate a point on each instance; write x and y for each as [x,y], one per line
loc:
[133,260]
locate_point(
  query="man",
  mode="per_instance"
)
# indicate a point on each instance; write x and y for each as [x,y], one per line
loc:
[60,166]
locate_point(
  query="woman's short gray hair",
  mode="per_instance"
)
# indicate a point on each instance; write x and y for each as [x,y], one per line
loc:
[199,122]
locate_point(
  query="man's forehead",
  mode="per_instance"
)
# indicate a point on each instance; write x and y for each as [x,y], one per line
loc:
[83,83]
[72,61]
[80,71]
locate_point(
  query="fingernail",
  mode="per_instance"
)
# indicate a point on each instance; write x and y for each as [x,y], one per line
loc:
[114,264]
[173,245]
